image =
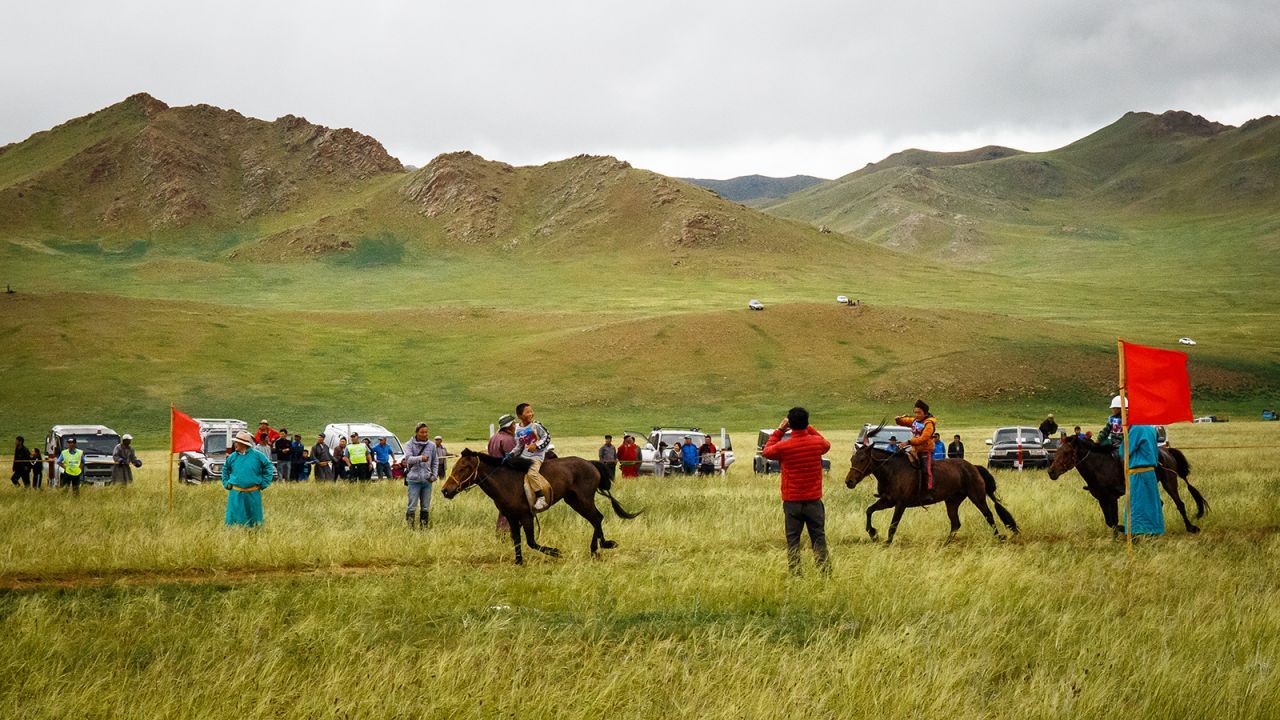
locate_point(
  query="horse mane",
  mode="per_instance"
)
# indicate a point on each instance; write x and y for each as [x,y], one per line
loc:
[1087,444]
[485,458]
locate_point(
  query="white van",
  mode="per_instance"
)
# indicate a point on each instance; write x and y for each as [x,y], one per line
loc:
[334,431]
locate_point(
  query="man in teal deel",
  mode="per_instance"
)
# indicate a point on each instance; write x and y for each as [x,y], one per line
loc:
[1144,489]
[245,473]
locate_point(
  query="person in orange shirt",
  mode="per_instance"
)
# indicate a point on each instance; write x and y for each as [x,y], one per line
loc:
[924,426]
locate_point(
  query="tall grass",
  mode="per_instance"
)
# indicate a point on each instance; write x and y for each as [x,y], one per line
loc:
[336,609]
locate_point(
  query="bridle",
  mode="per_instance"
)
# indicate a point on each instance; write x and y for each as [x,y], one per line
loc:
[875,464]
[471,481]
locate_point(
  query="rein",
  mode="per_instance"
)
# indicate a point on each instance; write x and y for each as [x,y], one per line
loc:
[875,464]
[472,482]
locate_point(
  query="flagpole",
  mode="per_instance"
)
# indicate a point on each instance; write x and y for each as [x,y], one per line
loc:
[1124,442]
[170,453]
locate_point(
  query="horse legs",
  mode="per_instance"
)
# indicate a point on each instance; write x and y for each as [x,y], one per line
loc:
[879,504]
[953,512]
[587,509]
[979,499]
[1170,482]
[514,525]
[528,534]
[1110,511]
[893,524]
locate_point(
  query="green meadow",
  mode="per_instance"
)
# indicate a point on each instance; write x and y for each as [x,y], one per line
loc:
[113,606]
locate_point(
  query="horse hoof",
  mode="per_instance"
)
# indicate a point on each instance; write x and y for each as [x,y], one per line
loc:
[1193,529]
[519,561]
[551,552]
[608,544]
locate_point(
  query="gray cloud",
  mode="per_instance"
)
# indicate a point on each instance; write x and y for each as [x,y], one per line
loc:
[704,88]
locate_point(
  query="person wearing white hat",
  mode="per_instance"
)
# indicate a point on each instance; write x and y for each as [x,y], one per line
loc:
[441,454]
[1112,434]
[245,474]
[123,461]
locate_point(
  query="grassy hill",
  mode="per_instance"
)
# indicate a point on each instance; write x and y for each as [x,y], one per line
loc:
[606,294]
[756,190]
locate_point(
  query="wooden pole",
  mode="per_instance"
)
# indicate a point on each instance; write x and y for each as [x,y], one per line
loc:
[170,454]
[1124,443]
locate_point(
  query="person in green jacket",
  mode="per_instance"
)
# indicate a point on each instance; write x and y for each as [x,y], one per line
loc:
[245,474]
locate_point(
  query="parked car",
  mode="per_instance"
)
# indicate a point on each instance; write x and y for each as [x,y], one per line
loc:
[842,299]
[754,304]
[1270,415]
[206,464]
[333,431]
[886,439]
[666,437]
[1013,445]
[1211,419]
[97,442]
[763,466]
[1186,341]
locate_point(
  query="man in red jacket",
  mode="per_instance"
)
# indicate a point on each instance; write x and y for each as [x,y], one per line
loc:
[801,458]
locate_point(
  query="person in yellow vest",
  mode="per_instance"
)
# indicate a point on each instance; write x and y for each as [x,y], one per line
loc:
[358,458]
[71,461]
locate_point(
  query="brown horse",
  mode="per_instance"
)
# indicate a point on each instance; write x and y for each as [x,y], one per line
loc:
[1104,477]
[898,486]
[575,480]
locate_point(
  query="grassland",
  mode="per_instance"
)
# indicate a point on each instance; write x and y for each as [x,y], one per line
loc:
[114,607]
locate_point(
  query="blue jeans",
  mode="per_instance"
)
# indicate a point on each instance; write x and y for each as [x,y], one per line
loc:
[419,496]
[384,470]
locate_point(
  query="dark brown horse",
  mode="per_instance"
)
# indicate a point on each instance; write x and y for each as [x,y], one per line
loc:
[898,486]
[1104,477]
[572,479]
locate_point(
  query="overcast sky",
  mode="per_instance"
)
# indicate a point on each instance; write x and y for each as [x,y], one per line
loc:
[704,89]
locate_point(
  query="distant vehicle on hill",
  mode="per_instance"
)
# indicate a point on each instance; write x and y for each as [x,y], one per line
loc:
[842,299]
[1186,341]
[1017,447]
[1211,419]
[97,442]
[754,304]
[1270,415]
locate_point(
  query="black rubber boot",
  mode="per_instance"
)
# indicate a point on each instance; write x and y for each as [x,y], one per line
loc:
[422,520]
[408,518]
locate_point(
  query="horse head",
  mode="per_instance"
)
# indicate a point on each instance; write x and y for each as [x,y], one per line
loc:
[1070,453]
[466,472]
[863,460]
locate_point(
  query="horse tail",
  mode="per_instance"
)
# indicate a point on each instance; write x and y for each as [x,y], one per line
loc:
[1006,517]
[617,507]
[1183,468]
[606,482]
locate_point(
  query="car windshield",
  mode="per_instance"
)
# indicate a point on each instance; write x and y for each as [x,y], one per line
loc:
[94,444]
[1010,435]
[677,438]
[887,435]
[215,443]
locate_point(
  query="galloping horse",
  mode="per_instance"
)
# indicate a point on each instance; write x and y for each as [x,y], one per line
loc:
[898,487]
[1104,477]
[575,480]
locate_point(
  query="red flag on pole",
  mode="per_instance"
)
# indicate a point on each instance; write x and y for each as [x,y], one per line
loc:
[185,434]
[1156,385]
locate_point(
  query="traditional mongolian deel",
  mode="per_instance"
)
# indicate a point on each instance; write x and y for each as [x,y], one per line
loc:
[244,475]
[1144,489]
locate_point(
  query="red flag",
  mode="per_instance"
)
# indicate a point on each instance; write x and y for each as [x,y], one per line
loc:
[1156,385]
[186,433]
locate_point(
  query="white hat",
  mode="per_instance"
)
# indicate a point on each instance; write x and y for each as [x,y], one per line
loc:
[439,437]
[1115,403]
[126,436]
[244,438]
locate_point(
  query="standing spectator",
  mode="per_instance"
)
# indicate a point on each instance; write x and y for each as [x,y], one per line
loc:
[629,457]
[939,447]
[956,449]
[801,458]
[1144,458]
[382,456]
[302,471]
[609,456]
[660,460]
[284,454]
[37,468]
[123,461]
[297,459]
[21,463]
[501,445]
[706,456]
[341,468]
[322,459]
[265,435]
[71,461]
[358,458]
[689,456]
[245,474]
[441,454]
[420,472]
[1078,433]
[1048,426]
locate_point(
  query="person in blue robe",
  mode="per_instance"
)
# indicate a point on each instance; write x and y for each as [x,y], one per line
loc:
[1144,488]
[245,474]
